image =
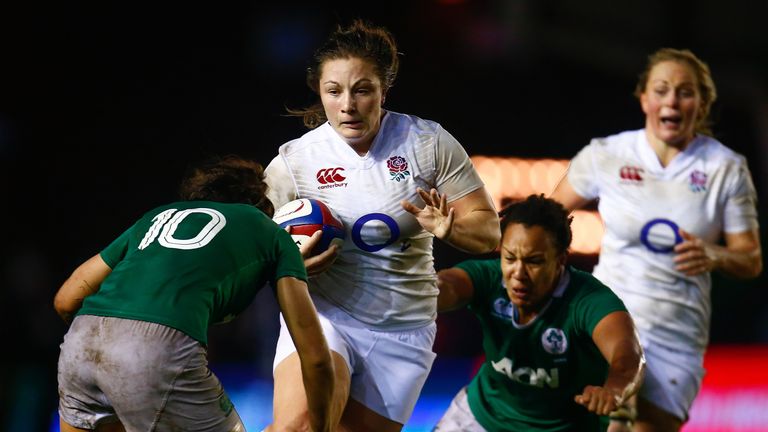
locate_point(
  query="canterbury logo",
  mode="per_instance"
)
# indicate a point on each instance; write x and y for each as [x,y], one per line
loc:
[631,173]
[330,175]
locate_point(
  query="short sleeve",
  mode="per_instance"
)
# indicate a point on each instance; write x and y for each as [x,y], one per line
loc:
[455,174]
[582,173]
[289,261]
[597,302]
[278,178]
[485,276]
[740,212]
[116,251]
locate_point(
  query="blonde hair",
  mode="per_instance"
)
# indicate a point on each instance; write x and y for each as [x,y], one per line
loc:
[707,88]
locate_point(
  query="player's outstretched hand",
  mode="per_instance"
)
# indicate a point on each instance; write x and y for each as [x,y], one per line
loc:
[319,263]
[435,217]
[599,400]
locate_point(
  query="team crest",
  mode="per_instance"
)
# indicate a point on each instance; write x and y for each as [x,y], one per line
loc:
[503,308]
[698,181]
[398,168]
[554,341]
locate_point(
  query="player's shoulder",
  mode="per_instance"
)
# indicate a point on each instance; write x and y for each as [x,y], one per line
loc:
[584,284]
[482,271]
[399,121]
[310,140]
[616,143]
[711,149]
[484,265]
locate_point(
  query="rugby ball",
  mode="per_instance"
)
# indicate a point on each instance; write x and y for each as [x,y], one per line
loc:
[302,217]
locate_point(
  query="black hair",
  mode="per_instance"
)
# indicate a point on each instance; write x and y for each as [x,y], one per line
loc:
[228,179]
[537,210]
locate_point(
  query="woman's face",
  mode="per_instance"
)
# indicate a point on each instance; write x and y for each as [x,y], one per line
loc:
[352,95]
[671,102]
[530,265]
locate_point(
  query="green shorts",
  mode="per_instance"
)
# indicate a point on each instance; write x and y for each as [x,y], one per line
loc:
[146,375]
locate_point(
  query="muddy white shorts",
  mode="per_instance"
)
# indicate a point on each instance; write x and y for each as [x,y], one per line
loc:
[672,378]
[387,368]
[150,376]
[458,417]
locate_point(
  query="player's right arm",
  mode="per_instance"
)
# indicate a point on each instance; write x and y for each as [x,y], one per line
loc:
[307,334]
[84,281]
[321,262]
[456,289]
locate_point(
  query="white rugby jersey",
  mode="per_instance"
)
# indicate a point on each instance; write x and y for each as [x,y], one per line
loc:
[384,275]
[706,190]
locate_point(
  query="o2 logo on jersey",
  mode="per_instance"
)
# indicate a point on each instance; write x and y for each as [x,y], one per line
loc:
[166,223]
[374,220]
[660,235]
[554,341]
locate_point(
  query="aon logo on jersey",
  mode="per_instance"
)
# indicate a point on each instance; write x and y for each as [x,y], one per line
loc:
[533,377]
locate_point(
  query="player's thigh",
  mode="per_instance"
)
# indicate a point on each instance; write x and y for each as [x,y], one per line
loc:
[108,427]
[357,417]
[290,399]
[651,418]
[66,427]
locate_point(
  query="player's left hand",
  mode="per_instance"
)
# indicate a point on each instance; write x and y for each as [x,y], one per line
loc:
[693,255]
[599,400]
[435,217]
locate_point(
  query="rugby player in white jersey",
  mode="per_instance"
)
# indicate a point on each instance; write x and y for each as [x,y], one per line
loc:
[396,181]
[676,204]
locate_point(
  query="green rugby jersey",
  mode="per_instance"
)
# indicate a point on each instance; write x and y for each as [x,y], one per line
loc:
[532,372]
[191,264]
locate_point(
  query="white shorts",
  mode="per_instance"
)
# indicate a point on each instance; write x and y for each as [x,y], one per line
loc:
[458,417]
[387,368]
[672,379]
[150,376]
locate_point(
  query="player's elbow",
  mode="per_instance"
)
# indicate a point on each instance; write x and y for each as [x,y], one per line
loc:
[493,241]
[64,307]
[756,269]
[487,240]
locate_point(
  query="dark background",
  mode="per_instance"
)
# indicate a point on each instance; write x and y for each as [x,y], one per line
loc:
[103,106]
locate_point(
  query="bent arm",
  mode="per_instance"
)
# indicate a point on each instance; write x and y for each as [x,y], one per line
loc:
[84,281]
[456,289]
[476,223]
[567,196]
[307,334]
[616,338]
[741,257]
